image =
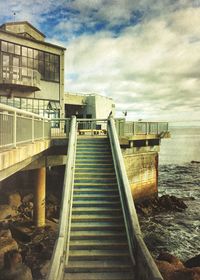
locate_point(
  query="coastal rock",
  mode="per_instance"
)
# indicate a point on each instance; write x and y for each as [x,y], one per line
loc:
[193,262]
[13,268]
[172,268]
[27,198]
[14,199]
[6,244]
[6,211]
[11,198]
[163,203]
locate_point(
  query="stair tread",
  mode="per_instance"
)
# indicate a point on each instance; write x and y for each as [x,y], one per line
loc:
[96,217]
[99,276]
[98,264]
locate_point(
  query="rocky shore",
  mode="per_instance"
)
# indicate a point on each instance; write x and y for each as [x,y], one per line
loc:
[25,251]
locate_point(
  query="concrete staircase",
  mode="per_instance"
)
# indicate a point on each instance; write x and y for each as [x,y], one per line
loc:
[98,244]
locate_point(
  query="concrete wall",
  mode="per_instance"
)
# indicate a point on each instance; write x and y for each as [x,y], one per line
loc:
[24,28]
[104,106]
[142,172]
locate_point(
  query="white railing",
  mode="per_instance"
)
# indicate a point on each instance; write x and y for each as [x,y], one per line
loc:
[146,268]
[61,249]
[20,76]
[18,126]
[130,128]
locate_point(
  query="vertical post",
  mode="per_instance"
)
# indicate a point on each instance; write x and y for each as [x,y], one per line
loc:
[32,124]
[157,128]
[39,197]
[15,129]
[43,129]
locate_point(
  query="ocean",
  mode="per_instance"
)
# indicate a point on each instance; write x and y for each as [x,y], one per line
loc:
[177,232]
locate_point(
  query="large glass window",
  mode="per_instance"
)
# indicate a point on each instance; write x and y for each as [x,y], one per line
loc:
[47,64]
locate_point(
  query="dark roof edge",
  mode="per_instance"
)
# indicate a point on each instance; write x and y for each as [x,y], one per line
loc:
[23,22]
[33,40]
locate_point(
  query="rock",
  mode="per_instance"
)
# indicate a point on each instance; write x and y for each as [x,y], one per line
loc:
[172,268]
[193,262]
[52,199]
[45,268]
[195,161]
[27,198]
[11,198]
[14,199]
[6,244]
[13,268]
[5,233]
[6,211]
[170,259]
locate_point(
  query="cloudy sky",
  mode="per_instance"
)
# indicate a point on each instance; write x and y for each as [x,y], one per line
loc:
[145,54]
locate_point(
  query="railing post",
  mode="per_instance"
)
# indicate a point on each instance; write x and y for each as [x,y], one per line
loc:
[15,129]
[43,129]
[157,128]
[32,129]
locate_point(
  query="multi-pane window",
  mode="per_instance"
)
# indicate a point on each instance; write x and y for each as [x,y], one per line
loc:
[38,106]
[47,64]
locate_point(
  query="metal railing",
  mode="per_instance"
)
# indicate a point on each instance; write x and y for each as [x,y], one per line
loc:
[92,127]
[129,128]
[61,248]
[18,127]
[20,76]
[146,268]
[60,128]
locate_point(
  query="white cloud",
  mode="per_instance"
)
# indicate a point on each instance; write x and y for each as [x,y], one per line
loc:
[151,67]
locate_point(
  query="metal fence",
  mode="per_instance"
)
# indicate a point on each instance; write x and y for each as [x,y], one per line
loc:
[18,126]
[138,128]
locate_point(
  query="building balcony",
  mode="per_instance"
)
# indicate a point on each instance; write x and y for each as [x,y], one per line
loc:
[19,78]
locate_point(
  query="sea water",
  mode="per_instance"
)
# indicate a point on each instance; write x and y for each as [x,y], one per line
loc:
[177,232]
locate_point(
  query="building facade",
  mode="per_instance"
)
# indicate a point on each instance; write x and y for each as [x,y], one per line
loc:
[90,106]
[31,70]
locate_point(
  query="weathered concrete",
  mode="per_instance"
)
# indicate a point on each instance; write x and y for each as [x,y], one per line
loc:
[45,161]
[14,160]
[39,196]
[142,171]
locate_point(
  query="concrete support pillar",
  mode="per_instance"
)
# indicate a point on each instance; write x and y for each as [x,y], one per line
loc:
[39,197]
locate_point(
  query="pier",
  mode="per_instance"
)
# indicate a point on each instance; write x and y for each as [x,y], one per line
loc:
[99,235]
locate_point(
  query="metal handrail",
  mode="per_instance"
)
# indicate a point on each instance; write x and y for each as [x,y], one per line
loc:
[18,126]
[61,249]
[141,257]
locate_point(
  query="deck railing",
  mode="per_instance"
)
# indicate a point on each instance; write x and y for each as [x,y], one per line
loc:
[18,127]
[130,128]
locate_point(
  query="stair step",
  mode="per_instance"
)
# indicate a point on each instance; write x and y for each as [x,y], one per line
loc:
[95,197]
[95,180]
[93,153]
[94,190]
[103,187]
[100,161]
[113,184]
[94,169]
[98,244]
[97,266]
[84,226]
[82,203]
[98,254]
[97,211]
[97,235]
[97,166]
[97,175]
[99,276]
[95,217]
